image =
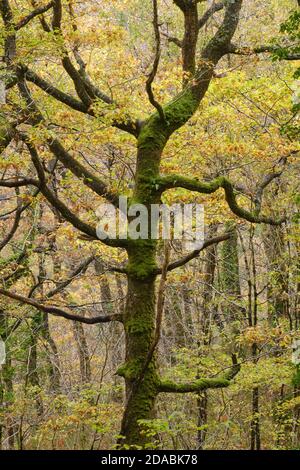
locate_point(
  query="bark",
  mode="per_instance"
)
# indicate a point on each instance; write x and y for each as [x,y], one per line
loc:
[83,352]
[255,426]
[6,389]
[202,405]
[32,365]
[189,43]
[230,274]
[205,323]
[278,302]
[139,323]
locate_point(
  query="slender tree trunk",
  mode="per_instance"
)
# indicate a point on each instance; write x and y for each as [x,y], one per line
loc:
[6,389]
[230,275]
[83,352]
[255,421]
[202,406]
[32,377]
[255,427]
[7,373]
[205,323]
[53,358]
[278,301]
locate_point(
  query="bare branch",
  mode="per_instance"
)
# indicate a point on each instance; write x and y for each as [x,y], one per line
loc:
[38,11]
[209,13]
[42,19]
[79,270]
[153,72]
[59,312]
[65,98]
[18,183]
[194,254]
[14,227]
[247,50]
[172,39]
[89,179]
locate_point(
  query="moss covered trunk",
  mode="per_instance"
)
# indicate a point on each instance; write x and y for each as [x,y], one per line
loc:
[141,376]
[141,385]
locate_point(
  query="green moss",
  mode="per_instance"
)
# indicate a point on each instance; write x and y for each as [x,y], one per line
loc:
[154,134]
[140,405]
[198,385]
[179,111]
[130,370]
[192,184]
[137,326]
[142,262]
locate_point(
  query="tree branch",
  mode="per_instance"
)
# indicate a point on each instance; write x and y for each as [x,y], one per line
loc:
[59,95]
[209,13]
[18,183]
[153,72]
[194,254]
[59,312]
[247,50]
[89,179]
[14,227]
[155,135]
[38,11]
[62,208]
[173,181]
[62,284]
[167,386]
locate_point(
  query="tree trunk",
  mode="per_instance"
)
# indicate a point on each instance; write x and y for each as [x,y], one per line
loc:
[32,366]
[278,300]
[255,427]
[205,327]
[139,323]
[83,352]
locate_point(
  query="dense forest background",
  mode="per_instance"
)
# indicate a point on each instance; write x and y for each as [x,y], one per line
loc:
[78,82]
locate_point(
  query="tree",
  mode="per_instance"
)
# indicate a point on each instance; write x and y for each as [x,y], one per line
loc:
[25,119]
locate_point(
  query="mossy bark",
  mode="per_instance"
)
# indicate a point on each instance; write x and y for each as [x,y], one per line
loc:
[140,312]
[139,323]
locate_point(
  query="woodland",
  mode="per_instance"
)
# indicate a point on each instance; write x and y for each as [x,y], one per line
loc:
[129,343]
